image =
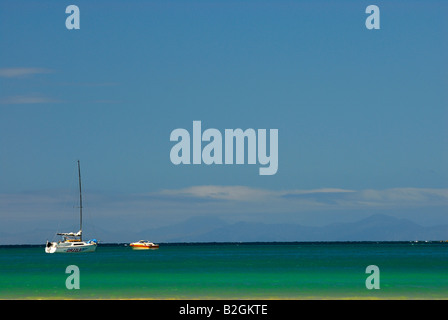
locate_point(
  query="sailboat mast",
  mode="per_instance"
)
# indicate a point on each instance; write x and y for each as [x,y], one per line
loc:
[80,201]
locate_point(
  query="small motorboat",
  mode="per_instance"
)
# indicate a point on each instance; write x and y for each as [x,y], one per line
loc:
[143,244]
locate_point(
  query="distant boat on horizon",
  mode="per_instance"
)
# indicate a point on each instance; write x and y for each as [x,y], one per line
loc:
[143,244]
[72,242]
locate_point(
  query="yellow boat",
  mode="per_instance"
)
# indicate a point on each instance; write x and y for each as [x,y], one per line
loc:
[143,244]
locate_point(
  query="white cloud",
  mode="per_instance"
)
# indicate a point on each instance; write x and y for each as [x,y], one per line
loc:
[243,193]
[232,193]
[329,197]
[27,100]
[405,195]
[22,72]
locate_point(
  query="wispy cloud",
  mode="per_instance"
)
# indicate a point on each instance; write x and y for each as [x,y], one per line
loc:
[27,100]
[19,73]
[22,72]
[404,195]
[88,84]
[334,197]
[231,193]
[248,194]
[247,197]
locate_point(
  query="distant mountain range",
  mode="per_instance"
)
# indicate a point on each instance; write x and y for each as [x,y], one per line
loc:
[209,229]
[373,228]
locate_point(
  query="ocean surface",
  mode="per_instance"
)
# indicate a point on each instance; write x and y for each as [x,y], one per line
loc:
[318,270]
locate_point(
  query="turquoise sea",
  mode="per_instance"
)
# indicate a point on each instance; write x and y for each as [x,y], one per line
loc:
[319,270]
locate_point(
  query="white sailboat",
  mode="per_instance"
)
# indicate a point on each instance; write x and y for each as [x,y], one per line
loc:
[72,242]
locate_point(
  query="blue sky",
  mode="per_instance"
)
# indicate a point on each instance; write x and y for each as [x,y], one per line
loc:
[359,112]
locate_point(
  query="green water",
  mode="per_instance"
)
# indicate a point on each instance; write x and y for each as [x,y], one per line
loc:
[230,271]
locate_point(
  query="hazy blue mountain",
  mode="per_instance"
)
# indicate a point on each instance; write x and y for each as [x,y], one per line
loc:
[373,228]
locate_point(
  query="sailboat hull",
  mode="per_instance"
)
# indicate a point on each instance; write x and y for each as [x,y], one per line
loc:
[70,247]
